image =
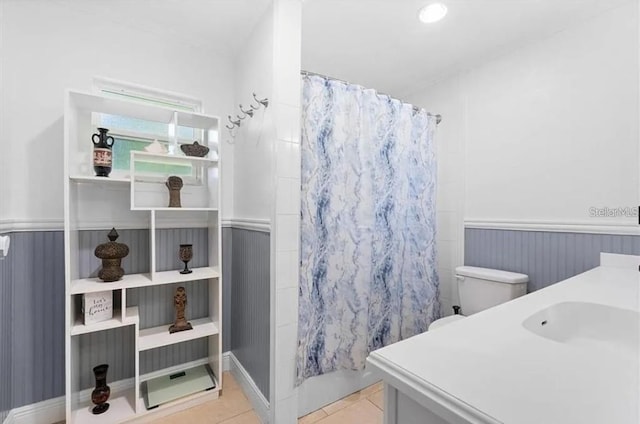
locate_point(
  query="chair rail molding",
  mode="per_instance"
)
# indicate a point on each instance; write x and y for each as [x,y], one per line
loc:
[24,224]
[588,227]
[32,225]
[252,224]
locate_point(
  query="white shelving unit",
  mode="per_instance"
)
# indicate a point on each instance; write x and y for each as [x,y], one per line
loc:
[135,201]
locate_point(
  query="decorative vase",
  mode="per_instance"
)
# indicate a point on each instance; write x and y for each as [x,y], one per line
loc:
[195,149]
[180,304]
[100,395]
[186,254]
[174,184]
[111,254]
[102,154]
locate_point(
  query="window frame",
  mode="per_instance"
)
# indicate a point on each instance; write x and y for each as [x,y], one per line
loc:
[148,95]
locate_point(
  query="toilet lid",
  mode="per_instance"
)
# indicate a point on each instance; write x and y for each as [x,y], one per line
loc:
[444,321]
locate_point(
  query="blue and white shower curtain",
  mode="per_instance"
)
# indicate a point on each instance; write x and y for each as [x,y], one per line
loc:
[368,246]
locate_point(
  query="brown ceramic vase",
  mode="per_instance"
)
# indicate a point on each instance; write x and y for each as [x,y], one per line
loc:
[100,395]
[111,254]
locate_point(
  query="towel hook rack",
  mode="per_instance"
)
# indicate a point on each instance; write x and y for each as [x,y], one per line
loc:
[235,123]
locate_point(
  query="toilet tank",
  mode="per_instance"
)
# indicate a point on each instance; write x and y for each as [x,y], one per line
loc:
[483,288]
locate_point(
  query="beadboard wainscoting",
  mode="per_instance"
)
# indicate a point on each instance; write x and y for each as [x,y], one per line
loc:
[32,309]
[249,306]
[36,318]
[545,256]
[5,338]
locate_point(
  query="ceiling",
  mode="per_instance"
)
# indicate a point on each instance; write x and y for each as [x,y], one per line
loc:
[375,43]
[381,43]
[215,25]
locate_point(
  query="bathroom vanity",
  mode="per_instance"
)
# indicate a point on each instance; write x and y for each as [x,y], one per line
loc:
[566,354]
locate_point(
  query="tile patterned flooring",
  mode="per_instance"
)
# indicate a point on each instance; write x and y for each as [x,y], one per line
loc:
[364,406]
[233,407]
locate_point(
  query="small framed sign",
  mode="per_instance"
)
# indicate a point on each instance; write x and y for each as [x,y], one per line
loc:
[97,306]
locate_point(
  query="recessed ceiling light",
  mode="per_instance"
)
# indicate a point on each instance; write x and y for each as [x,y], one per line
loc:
[432,13]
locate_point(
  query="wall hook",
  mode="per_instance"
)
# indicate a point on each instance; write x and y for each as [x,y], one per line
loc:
[235,123]
[247,112]
[264,102]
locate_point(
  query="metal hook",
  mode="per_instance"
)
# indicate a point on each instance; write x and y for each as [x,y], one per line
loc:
[247,112]
[242,117]
[235,123]
[264,102]
[230,127]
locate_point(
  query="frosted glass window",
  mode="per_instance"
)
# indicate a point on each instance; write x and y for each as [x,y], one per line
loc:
[122,159]
[117,124]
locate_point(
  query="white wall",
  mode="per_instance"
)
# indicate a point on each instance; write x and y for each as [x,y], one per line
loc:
[539,135]
[48,47]
[254,140]
[553,128]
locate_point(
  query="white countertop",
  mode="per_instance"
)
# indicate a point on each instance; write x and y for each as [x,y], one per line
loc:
[489,369]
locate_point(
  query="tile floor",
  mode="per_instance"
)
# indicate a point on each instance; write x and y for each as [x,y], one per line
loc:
[233,407]
[364,406]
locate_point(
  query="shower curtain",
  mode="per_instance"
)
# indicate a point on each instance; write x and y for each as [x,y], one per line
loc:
[368,251]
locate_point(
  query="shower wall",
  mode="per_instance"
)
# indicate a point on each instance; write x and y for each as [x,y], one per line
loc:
[285,215]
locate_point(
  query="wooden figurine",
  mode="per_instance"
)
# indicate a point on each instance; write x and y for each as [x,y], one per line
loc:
[180,303]
[174,184]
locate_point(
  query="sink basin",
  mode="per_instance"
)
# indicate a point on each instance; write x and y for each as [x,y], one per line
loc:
[589,325]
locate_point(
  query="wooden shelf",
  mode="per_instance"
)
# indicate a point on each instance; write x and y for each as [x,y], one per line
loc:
[132,317]
[121,409]
[151,338]
[91,285]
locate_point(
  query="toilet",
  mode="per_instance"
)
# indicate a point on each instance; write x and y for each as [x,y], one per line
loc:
[483,288]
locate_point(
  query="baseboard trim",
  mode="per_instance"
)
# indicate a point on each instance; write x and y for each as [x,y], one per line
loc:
[554,226]
[53,410]
[261,225]
[45,412]
[258,401]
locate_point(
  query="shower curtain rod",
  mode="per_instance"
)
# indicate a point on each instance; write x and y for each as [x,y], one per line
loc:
[416,108]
